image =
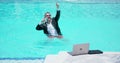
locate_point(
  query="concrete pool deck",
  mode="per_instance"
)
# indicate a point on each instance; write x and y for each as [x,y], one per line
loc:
[64,57]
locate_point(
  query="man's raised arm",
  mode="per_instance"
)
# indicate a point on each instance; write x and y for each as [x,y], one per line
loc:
[58,12]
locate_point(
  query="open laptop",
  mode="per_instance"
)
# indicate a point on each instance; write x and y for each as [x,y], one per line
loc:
[80,49]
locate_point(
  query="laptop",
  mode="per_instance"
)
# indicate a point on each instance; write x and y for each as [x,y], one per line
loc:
[80,49]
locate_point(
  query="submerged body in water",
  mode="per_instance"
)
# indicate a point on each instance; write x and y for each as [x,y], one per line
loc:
[50,25]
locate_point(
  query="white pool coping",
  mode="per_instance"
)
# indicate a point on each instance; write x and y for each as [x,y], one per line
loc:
[21,61]
[64,57]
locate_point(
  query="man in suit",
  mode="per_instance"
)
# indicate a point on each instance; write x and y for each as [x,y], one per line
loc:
[50,25]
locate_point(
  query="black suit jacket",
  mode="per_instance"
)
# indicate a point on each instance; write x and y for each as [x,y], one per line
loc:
[54,23]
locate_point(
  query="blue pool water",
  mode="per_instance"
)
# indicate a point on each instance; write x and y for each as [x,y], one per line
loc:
[97,24]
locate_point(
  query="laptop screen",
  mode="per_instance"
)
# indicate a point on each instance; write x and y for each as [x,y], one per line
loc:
[81,48]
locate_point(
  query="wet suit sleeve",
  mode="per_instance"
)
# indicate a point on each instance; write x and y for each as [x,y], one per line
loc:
[57,15]
[39,27]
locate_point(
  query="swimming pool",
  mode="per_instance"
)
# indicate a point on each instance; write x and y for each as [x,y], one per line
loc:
[97,24]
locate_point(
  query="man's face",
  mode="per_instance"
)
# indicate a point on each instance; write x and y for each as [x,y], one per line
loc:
[48,15]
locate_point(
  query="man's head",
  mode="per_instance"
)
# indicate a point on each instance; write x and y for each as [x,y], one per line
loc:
[47,15]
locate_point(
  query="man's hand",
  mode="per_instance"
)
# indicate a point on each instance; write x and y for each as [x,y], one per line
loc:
[57,5]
